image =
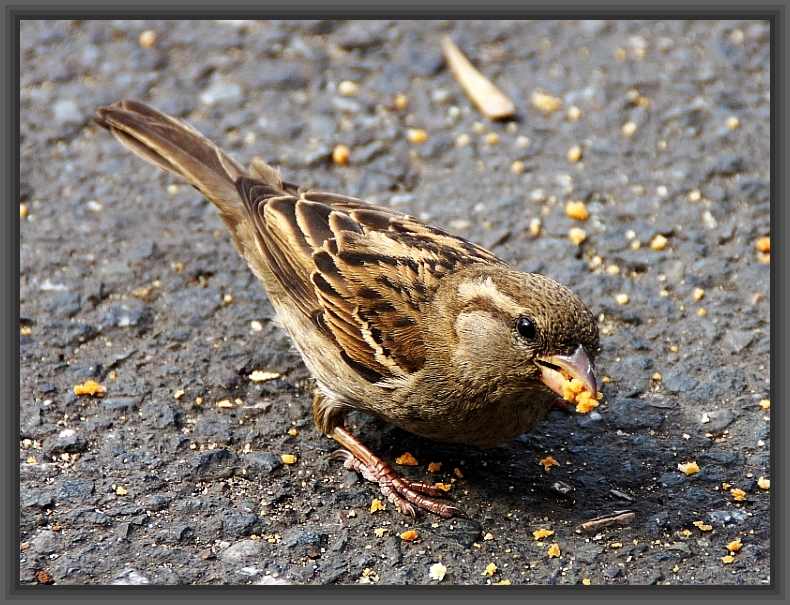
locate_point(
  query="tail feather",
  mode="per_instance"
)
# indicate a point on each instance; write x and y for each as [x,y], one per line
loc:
[178,148]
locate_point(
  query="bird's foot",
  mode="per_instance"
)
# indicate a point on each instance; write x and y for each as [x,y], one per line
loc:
[404,493]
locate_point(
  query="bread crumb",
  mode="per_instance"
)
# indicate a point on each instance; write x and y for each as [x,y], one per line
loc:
[90,387]
[547,463]
[416,135]
[727,559]
[400,102]
[434,467]
[409,535]
[445,487]
[735,545]
[406,460]
[765,404]
[738,494]
[764,483]
[628,129]
[688,468]
[377,505]
[288,459]
[702,526]
[437,571]
[659,242]
[763,244]
[340,155]
[574,154]
[544,103]
[490,569]
[577,235]
[542,533]
[147,38]
[347,88]
[554,550]
[622,298]
[577,210]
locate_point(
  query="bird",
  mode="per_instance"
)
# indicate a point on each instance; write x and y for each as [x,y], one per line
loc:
[393,317]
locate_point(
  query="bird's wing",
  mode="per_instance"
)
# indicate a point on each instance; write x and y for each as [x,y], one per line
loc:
[362,274]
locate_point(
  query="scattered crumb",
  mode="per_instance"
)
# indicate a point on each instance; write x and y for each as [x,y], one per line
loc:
[488,536]
[416,135]
[763,244]
[263,376]
[548,462]
[437,571]
[735,545]
[490,569]
[293,432]
[542,533]
[517,167]
[622,298]
[409,535]
[544,103]
[23,210]
[574,113]
[288,459]
[574,154]
[738,494]
[535,226]
[554,550]
[732,122]
[340,155]
[688,468]
[225,404]
[380,531]
[628,129]
[577,235]
[90,387]
[406,460]
[765,404]
[698,293]
[764,483]
[400,102]
[657,376]
[702,312]
[577,210]
[502,583]
[586,581]
[457,472]
[434,467]
[702,526]
[347,88]
[694,196]
[659,242]
[727,559]
[445,487]
[147,38]
[121,491]
[377,505]
[492,138]
[613,269]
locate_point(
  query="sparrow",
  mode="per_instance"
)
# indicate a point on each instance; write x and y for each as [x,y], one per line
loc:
[393,317]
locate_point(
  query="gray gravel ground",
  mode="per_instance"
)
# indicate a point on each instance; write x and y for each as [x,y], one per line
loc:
[122,281]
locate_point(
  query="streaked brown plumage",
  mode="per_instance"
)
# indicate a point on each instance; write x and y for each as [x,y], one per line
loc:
[393,317]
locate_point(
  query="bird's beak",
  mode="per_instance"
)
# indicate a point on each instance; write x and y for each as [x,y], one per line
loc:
[578,365]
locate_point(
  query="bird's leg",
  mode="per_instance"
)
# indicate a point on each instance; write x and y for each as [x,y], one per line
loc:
[403,493]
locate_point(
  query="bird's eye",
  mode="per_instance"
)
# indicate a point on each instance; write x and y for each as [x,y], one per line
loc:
[526,328]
